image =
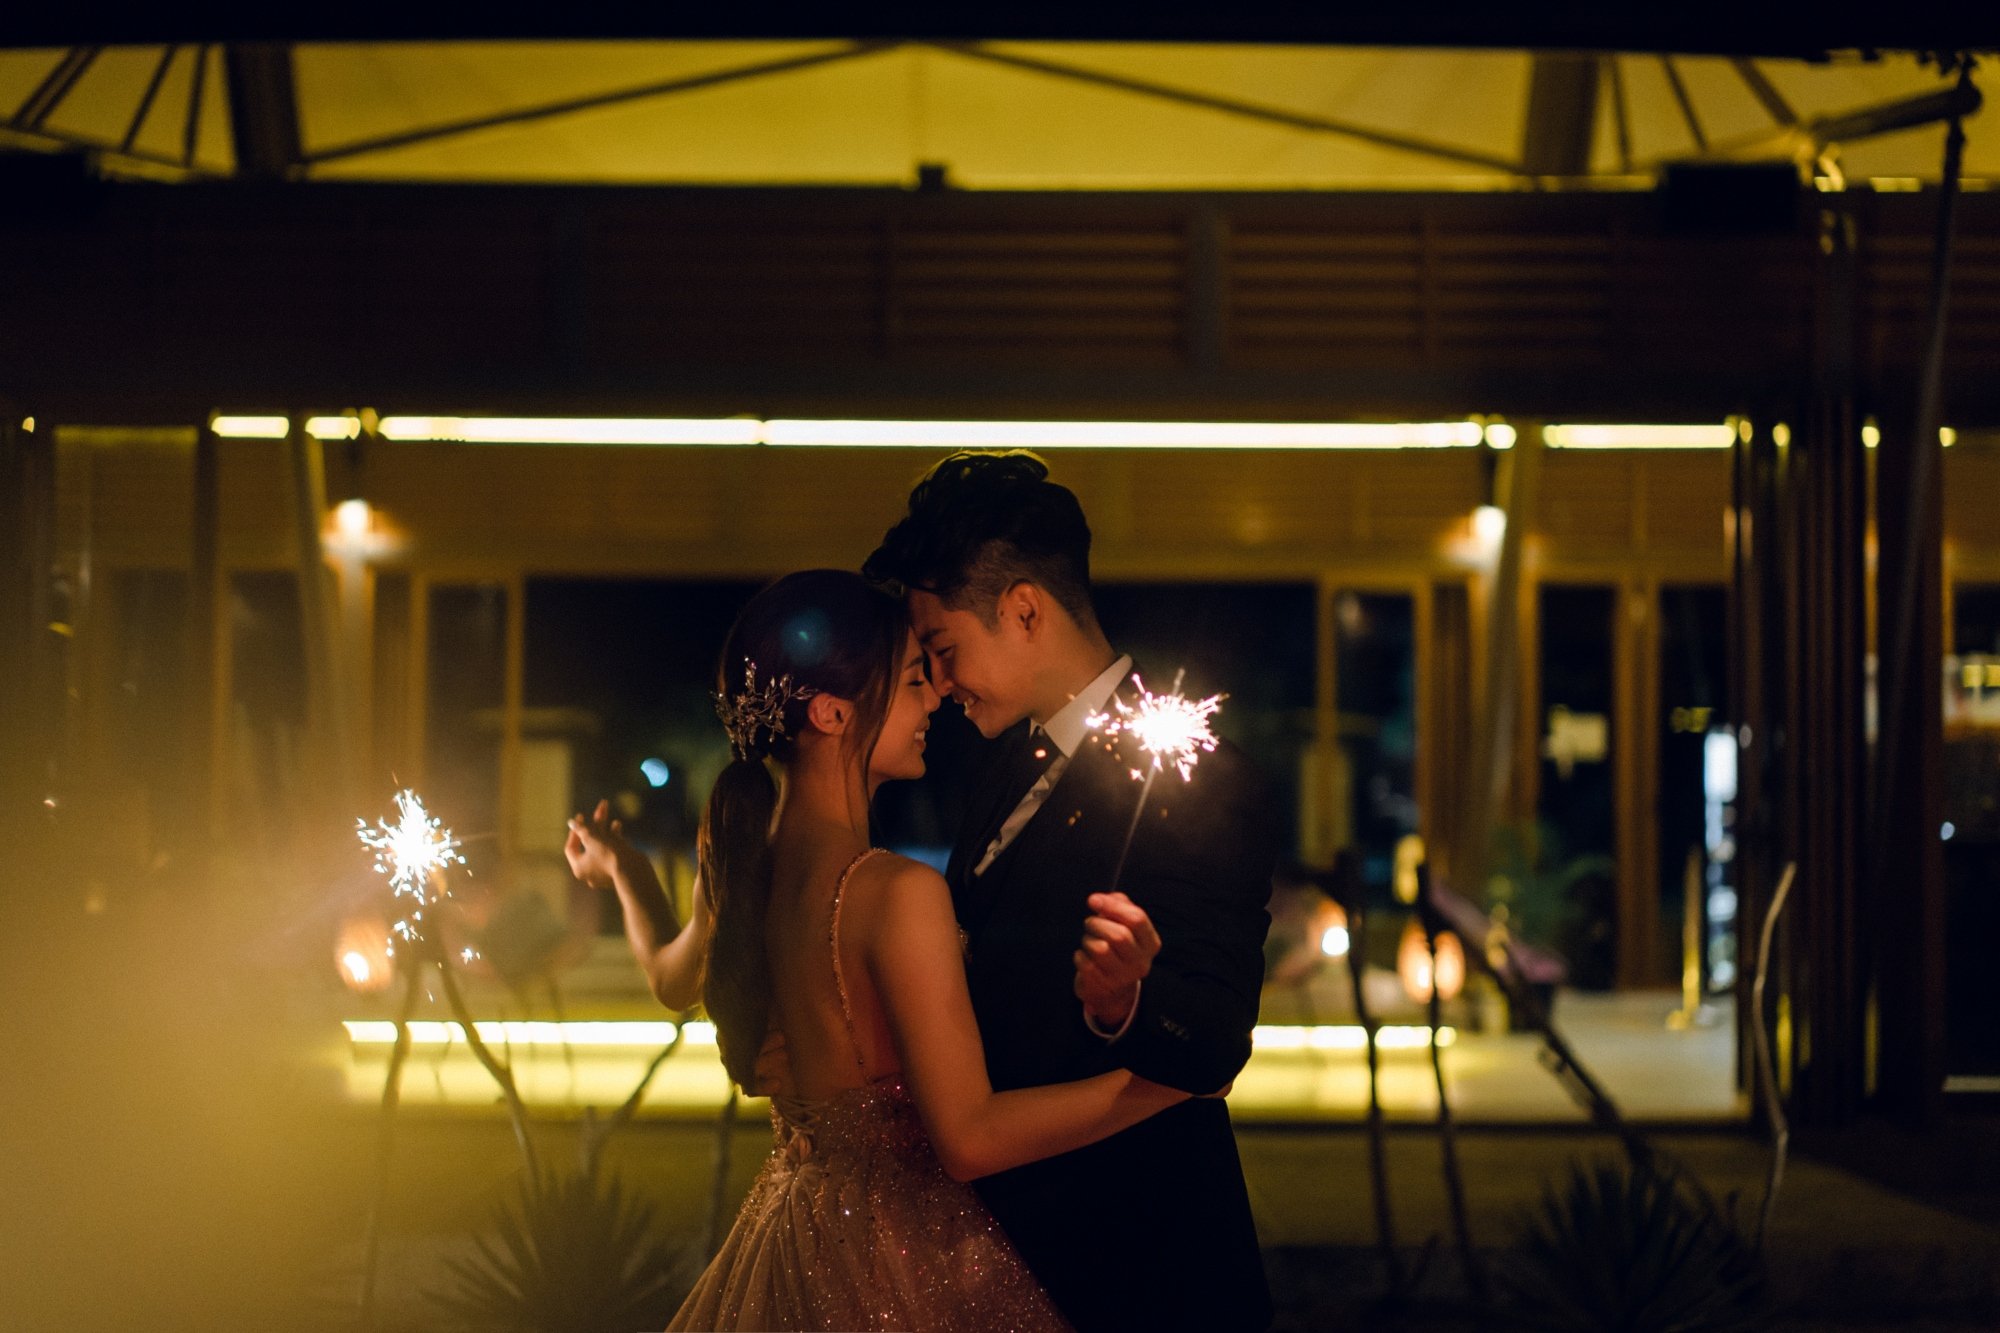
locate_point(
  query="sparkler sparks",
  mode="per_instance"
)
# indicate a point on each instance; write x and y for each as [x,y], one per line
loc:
[1171,727]
[410,852]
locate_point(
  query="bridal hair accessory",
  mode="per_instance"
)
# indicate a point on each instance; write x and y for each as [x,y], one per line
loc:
[758,708]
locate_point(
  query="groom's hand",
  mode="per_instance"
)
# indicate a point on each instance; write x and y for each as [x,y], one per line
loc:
[1119,945]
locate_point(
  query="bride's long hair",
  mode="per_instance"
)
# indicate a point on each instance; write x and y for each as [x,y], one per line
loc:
[831,632]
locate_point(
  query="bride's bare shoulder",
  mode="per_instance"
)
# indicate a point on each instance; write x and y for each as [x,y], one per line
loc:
[899,876]
[892,887]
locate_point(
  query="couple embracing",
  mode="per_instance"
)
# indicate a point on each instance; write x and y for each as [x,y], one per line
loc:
[1014,1023]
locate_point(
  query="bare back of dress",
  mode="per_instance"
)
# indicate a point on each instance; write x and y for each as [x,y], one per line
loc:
[853,1224]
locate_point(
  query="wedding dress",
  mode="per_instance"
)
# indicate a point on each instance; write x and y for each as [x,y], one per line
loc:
[853,1224]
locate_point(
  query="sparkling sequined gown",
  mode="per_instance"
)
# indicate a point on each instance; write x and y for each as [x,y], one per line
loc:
[853,1224]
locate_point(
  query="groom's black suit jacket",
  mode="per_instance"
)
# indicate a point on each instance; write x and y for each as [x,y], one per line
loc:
[1150,1228]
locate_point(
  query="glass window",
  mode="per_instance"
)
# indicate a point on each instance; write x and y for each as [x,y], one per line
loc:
[1697,784]
[1577,799]
[1971,828]
[1375,695]
[267,696]
[464,691]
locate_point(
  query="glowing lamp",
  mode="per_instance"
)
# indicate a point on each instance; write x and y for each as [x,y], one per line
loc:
[1329,930]
[362,955]
[352,519]
[1409,857]
[1413,964]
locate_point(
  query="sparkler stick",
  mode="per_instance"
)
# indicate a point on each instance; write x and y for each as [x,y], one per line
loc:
[1170,727]
[414,853]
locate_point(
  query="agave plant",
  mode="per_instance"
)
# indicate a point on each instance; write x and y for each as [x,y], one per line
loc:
[1624,1250]
[574,1254]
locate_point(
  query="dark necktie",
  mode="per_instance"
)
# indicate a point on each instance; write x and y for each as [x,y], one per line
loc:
[1030,759]
[1037,752]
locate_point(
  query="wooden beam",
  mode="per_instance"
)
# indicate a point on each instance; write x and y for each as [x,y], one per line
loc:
[264,111]
[1562,114]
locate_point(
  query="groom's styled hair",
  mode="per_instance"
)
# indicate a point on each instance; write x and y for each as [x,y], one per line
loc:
[981,521]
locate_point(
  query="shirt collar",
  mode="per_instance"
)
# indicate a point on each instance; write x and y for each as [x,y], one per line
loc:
[1069,725]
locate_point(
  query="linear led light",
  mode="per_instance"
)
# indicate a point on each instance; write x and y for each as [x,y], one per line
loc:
[1721,436]
[364,1032]
[628,1034]
[575,430]
[251,428]
[939,434]
[1127,434]
[333,428]
[1345,1037]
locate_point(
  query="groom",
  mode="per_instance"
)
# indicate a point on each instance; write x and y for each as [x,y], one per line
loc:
[1150,1228]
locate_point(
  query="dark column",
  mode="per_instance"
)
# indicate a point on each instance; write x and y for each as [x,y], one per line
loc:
[1799,654]
[263,110]
[30,669]
[205,608]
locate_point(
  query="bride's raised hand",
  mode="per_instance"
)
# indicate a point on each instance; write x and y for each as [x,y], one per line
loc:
[596,847]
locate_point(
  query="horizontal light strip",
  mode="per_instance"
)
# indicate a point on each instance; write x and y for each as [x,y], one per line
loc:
[251,428]
[1345,1037]
[1639,437]
[1127,434]
[860,434]
[333,428]
[365,1032]
[575,430]
[1265,1037]
[1972,1083]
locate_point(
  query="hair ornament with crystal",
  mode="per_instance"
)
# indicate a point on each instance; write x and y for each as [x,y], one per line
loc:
[758,711]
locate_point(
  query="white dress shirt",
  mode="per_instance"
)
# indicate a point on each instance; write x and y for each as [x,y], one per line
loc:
[1066,730]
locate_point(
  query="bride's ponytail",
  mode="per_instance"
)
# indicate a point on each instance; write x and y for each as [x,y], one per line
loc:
[821,631]
[734,851]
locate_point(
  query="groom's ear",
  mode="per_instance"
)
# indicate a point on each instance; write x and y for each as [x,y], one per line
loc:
[1022,606]
[829,714]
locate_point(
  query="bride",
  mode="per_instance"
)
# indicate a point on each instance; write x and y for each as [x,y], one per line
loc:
[860,1217]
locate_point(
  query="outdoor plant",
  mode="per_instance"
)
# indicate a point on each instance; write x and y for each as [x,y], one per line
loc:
[1532,889]
[570,1253]
[1624,1249]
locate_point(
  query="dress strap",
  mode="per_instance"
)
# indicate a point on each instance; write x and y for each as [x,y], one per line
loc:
[833,942]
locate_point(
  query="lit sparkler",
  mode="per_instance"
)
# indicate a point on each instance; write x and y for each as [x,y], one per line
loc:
[1170,727]
[410,852]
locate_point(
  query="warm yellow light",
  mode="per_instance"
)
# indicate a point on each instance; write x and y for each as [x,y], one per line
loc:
[1721,436]
[573,430]
[1781,435]
[1501,435]
[1127,434]
[1947,436]
[1329,927]
[333,428]
[1413,964]
[251,428]
[362,953]
[1871,435]
[639,1034]
[28,425]
[1489,527]
[430,1033]
[1895,184]
[939,434]
[1345,1037]
[1409,858]
[352,518]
